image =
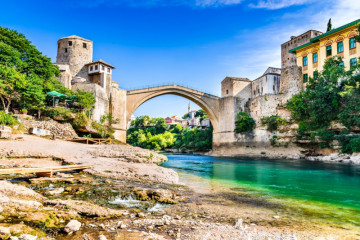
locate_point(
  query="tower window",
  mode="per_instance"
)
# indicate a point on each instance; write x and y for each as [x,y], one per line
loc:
[227,91]
[84,45]
[65,49]
[70,43]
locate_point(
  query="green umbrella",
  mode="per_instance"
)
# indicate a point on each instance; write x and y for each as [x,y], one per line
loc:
[55,94]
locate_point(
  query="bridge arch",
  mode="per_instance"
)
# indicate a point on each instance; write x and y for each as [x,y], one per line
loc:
[209,103]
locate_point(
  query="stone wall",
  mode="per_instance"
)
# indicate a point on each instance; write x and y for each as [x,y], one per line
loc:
[291,82]
[289,59]
[118,110]
[102,100]
[61,130]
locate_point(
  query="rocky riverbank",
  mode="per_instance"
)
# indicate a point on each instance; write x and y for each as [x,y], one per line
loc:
[128,196]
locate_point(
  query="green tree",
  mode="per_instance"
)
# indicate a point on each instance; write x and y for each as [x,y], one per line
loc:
[244,123]
[160,125]
[17,51]
[329,26]
[202,114]
[142,122]
[186,116]
[85,100]
[11,85]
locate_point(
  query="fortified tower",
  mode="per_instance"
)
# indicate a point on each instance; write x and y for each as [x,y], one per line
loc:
[75,52]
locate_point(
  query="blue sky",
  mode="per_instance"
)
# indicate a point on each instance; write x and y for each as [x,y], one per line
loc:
[191,42]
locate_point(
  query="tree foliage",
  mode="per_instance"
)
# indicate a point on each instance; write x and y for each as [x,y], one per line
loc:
[153,133]
[273,122]
[244,123]
[85,100]
[12,83]
[332,97]
[202,114]
[26,75]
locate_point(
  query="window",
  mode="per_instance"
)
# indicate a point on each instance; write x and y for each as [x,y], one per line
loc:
[227,91]
[305,78]
[84,45]
[341,64]
[315,57]
[108,69]
[340,47]
[316,75]
[70,43]
[352,63]
[305,62]
[328,51]
[102,67]
[91,68]
[352,43]
[96,67]
[65,49]
[274,87]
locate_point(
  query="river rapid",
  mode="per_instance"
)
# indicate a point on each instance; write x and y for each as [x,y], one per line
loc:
[315,191]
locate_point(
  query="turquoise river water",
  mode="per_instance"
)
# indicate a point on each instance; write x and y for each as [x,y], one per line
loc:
[328,187]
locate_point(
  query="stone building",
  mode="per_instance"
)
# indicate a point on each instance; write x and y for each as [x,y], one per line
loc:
[288,59]
[79,71]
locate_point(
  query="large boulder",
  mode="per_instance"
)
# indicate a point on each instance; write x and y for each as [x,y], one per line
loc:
[72,226]
[5,132]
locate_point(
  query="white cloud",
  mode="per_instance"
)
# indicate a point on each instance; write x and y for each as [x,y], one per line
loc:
[209,3]
[277,4]
[156,3]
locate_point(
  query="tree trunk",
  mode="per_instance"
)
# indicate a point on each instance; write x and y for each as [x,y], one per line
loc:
[5,106]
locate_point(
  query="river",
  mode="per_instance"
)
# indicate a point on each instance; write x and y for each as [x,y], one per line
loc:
[331,191]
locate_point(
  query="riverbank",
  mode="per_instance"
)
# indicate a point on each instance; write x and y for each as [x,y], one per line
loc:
[128,196]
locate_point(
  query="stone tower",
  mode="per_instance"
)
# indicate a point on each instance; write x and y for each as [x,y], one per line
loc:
[75,52]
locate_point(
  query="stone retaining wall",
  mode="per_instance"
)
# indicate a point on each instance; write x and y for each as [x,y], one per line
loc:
[61,130]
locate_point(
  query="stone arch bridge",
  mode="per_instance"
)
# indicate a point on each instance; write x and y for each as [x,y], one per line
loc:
[221,110]
[209,103]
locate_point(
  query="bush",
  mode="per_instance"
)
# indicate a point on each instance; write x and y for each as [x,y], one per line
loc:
[273,122]
[7,119]
[58,113]
[355,144]
[244,123]
[327,136]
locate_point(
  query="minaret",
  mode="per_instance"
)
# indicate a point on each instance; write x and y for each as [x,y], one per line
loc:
[189,108]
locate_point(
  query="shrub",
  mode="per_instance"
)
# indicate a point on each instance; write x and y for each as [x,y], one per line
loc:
[244,123]
[355,144]
[327,136]
[58,112]
[7,119]
[273,122]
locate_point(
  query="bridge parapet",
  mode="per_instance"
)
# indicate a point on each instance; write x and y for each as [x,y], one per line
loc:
[170,85]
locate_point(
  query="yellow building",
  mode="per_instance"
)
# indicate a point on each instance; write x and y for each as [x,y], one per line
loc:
[337,42]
